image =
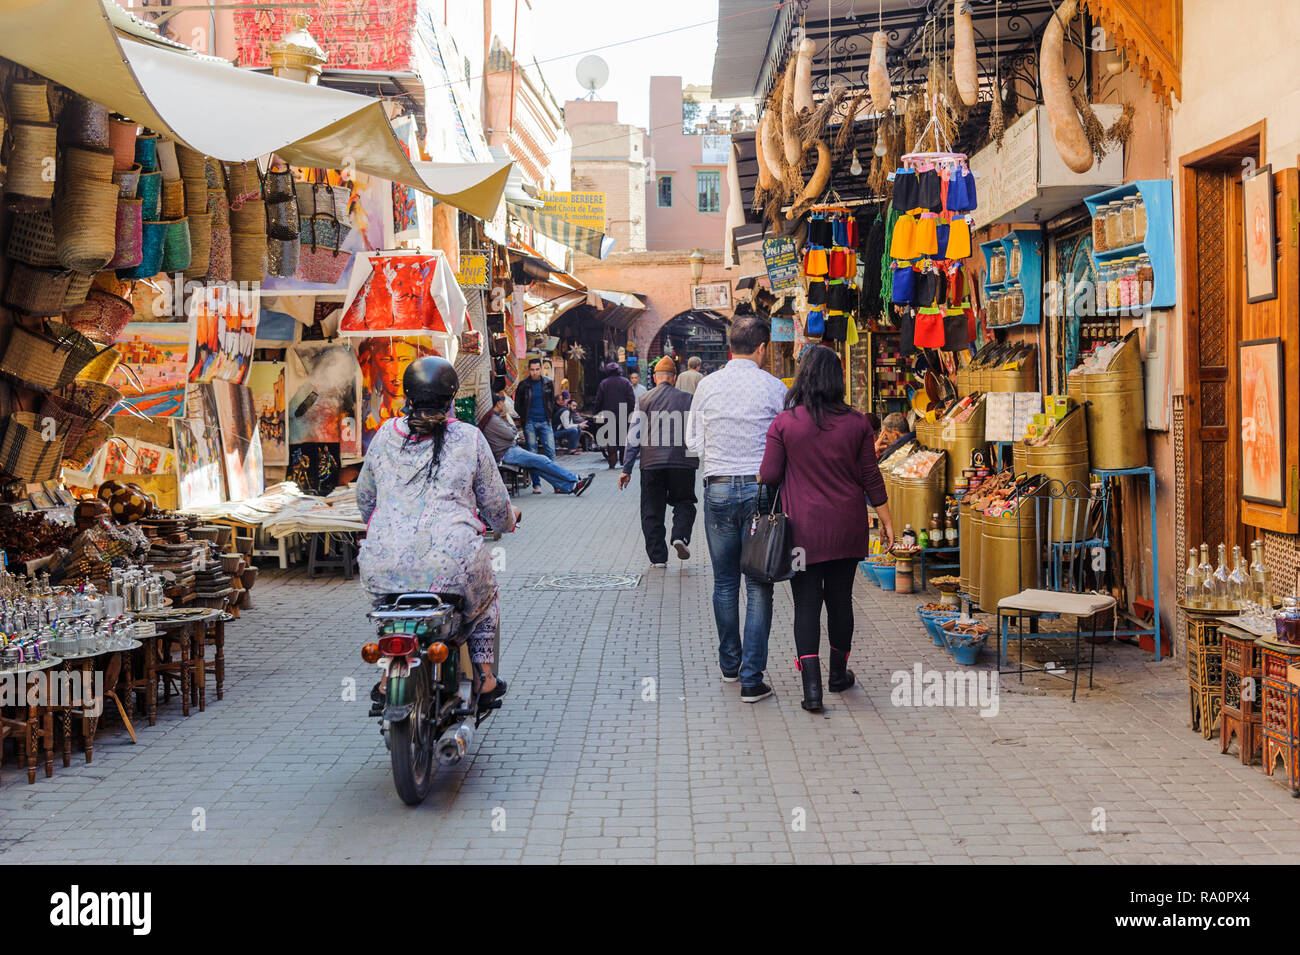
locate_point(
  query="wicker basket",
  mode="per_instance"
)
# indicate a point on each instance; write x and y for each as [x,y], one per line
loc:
[121,137]
[196,196]
[243,181]
[37,291]
[248,256]
[146,151]
[25,454]
[317,199]
[78,287]
[173,198]
[31,239]
[29,101]
[151,192]
[84,123]
[29,188]
[71,420]
[219,237]
[215,173]
[200,246]
[176,246]
[84,163]
[92,439]
[153,235]
[130,234]
[46,360]
[248,217]
[97,398]
[192,163]
[102,317]
[85,224]
[128,181]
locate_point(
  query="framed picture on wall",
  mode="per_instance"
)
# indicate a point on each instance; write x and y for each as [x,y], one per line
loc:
[1263,455]
[1261,236]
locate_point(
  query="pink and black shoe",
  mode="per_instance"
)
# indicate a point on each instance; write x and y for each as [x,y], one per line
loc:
[841,677]
[810,667]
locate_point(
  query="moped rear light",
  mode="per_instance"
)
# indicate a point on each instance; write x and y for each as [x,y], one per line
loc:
[370,653]
[437,652]
[397,645]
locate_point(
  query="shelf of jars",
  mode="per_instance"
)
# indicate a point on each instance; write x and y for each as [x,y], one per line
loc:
[1133,246]
[1013,271]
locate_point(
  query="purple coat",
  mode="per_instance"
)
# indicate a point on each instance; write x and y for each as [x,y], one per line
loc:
[826,478]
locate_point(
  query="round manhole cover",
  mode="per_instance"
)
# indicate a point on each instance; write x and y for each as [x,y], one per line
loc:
[589,582]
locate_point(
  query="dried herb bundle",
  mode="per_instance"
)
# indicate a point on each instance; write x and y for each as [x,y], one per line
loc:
[1120,130]
[815,125]
[1092,127]
[997,124]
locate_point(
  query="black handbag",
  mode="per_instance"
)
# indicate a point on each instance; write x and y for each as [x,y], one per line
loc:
[766,551]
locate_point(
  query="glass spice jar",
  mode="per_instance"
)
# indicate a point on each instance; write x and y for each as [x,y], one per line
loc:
[1139,218]
[1013,260]
[1127,223]
[1146,279]
[998,267]
[1099,230]
[1113,237]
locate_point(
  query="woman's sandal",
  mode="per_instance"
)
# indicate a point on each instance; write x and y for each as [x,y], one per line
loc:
[491,699]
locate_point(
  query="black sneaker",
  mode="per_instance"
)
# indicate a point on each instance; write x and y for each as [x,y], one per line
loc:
[583,484]
[731,677]
[752,694]
[682,550]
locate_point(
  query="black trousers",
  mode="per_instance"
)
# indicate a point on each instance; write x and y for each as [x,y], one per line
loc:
[661,487]
[827,582]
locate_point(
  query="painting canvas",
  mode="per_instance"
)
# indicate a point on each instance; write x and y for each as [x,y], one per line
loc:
[200,480]
[323,383]
[241,446]
[275,329]
[406,216]
[1261,236]
[1263,455]
[223,320]
[266,381]
[131,456]
[151,375]
[406,293]
[383,362]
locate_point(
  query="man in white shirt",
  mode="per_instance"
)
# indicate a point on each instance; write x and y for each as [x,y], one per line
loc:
[727,431]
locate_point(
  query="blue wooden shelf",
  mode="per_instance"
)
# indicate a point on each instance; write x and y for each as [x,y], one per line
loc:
[1030,277]
[1158,196]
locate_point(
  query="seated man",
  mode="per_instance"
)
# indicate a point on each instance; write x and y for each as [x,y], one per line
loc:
[503,438]
[571,427]
[894,431]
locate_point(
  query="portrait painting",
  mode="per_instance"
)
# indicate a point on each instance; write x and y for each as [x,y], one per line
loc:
[1263,454]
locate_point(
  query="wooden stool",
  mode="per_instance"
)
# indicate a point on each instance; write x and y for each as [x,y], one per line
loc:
[214,633]
[1281,711]
[1242,689]
[29,724]
[1204,673]
[319,562]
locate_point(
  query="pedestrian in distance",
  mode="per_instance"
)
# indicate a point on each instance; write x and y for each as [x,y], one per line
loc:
[615,401]
[658,438]
[821,453]
[503,439]
[727,431]
[690,378]
[535,405]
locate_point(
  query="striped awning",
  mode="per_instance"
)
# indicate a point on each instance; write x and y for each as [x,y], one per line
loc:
[579,238]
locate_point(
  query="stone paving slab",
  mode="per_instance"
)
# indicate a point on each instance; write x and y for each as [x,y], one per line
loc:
[619,743]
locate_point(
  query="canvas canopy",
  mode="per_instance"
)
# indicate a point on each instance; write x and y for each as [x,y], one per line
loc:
[234,115]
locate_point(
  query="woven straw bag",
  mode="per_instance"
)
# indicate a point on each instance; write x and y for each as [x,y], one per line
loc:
[248,217]
[94,438]
[84,163]
[128,182]
[282,257]
[282,220]
[46,360]
[219,239]
[85,224]
[121,138]
[192,163]
[215,173]
[196,196]
[97,398]
[248,256]
[100,368]
[316,198]
[29,101]
[146,151]
[78,287]
[84,123]
[31,239]
[325,266]
[31,183]
[173,198]
[150,191]
[200,246]
[37,291]
[152,236]
[130,235]
[101,317]
[25,455]
[70,420]
[176,246]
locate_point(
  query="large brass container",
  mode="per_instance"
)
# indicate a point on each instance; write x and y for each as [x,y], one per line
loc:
[964,536]
[1074,387]
[1065,459]
[972,537]
[1025,378]
[1117,410]
[919,498]
[1020,458]
[960,440]
[1008,556]
[963,381]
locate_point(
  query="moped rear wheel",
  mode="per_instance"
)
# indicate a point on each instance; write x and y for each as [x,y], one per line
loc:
[412,749]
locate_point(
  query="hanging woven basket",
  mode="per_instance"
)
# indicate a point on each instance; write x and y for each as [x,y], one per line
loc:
[282,257]
[248,256]
[30,184]
[176,246]
[128,182]
[248,217]
[29,101]
[173,198]
[85,225]
[193,164]
[37,291]
[151,192]
[101,317]
[101,367]
[152,236]
[243,182]
[200,246]
[97,398]
[84,123]
[94,437]
[196,196]
[46,360]
[121,138]
[130,235]
[31,239]
[70,420]
[168,164]
[78,287]
[146,151]
[219,237]
[25,454]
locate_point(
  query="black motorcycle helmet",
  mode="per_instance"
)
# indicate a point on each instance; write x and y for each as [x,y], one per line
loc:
[429,381]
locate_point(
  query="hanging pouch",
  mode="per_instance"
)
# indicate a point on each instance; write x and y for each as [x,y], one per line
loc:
[815,326]
[904,284]
[929,331]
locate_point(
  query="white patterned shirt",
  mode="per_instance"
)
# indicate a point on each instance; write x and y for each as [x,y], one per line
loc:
[730,414]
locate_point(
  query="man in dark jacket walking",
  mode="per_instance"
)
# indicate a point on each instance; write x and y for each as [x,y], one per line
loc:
[535,405]
[658,438]
[615,401]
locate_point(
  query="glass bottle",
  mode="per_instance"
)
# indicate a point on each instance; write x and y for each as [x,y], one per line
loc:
[1099,229]
[1238,581]
[1113,239]
[1257,571]
[1206,571]
[1221,574]
[1192,581]
[909,537]
[950,535]
[1013,260]
[1146,279]
[936,530]
[1127,222]
[1139,218]
[1287,621]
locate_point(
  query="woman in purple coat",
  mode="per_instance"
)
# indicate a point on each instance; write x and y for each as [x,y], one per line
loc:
[822,453]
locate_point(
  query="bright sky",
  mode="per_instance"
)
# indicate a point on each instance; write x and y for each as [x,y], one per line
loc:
[566,30]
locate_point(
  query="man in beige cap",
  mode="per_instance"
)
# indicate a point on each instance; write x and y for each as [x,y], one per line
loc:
[658,437]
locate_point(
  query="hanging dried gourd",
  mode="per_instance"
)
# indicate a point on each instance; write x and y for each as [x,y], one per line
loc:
[765,178]
[803,94]
[1062,117]
[792,144]
[965,73]
[817,182]
[878,73]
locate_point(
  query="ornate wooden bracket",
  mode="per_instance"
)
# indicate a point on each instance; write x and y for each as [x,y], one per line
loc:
[1151,34]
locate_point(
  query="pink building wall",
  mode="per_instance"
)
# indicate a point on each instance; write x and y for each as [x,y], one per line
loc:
[680,155]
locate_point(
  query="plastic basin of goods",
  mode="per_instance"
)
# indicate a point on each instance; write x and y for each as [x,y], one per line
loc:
[865,569]
[884,575]
[934,620]
[964,648]
[967,655]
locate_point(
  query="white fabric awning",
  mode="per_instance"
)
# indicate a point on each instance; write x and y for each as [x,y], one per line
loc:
[231,114]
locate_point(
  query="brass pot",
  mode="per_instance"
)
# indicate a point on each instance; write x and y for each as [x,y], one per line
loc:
[1008,556]
[1117,420]
[972,539]
[960,440]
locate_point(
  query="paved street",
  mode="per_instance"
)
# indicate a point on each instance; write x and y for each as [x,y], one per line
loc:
[619,743]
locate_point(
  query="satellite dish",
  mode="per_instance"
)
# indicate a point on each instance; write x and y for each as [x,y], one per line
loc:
[593,73]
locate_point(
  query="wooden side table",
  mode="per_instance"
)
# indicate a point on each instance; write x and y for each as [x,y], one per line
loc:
[1204,670]
[1242,691]
[1281,710]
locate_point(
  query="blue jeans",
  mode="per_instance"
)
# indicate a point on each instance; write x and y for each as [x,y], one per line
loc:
[539,466]
[570,436]
[727,510]
[535,433]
